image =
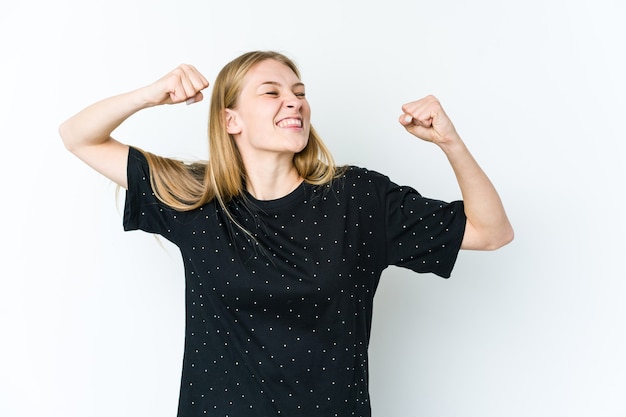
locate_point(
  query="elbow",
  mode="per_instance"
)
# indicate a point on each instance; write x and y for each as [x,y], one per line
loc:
[487,240]
[503,238]
[64,133]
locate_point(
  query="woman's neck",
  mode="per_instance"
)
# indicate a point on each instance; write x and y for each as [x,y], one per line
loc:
[270,182]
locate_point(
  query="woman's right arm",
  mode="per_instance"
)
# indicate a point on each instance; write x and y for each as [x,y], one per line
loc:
[87,134]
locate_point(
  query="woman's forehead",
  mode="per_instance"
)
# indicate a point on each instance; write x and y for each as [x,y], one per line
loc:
[271,71]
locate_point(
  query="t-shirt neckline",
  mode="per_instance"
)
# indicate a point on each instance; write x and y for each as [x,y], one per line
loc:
[294,196]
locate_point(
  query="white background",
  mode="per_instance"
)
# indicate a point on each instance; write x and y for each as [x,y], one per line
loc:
[91,318]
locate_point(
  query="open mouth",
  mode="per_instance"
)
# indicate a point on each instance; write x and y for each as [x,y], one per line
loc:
[289,123]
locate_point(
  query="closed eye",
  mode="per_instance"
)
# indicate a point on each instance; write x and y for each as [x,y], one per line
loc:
[276,93]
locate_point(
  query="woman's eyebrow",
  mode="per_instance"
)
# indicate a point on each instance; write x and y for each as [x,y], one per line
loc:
[277,84]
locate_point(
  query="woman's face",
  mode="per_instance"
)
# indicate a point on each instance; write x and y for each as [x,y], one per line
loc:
[272,115]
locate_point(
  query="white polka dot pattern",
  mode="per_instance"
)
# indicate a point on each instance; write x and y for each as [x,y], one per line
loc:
[280,325]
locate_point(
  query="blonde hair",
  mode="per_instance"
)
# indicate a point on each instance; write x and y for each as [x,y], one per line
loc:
[184,186]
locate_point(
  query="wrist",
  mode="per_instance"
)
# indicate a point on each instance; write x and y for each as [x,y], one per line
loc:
[144,97]
[452,145]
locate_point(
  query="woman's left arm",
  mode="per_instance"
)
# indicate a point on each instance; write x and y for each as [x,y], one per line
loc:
[488,227]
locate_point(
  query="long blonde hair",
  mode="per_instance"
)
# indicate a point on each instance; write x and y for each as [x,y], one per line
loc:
[185,186]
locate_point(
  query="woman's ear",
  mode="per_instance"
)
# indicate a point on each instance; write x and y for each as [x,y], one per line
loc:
[232,123]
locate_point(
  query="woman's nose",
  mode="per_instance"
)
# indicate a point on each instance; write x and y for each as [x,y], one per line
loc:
[293,102]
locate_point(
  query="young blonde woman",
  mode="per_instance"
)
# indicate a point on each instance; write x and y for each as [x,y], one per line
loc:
[282,249]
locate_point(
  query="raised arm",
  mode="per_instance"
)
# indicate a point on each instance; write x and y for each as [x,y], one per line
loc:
[488,227]
[87,134]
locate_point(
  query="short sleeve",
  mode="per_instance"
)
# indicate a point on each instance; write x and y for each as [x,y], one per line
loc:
[142,210]
[423,234]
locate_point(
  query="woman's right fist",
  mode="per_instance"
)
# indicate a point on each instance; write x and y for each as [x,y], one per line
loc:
[183,84]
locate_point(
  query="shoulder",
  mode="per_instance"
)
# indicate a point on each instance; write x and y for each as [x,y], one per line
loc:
[137,167]
[137,158]
[136,153]
[362,178]
[362,174]
[361,182]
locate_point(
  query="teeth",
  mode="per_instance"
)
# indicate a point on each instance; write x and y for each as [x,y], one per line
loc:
[290,122]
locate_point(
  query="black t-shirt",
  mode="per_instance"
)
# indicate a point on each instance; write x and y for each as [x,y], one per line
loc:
[278,323]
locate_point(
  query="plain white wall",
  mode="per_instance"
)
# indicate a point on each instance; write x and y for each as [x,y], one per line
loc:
[92,318]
